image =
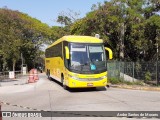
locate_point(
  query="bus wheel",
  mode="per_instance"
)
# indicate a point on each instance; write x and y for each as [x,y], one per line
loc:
[63,84]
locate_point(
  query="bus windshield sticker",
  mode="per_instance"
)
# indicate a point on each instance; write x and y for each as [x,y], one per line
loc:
[93,67]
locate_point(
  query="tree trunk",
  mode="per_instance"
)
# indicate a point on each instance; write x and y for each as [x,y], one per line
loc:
[4,65]
[14,64]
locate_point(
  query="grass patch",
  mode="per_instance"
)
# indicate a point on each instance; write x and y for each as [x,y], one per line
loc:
[122,81]
[114,81]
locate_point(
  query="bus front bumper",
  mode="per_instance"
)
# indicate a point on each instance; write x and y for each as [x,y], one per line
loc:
[72,83]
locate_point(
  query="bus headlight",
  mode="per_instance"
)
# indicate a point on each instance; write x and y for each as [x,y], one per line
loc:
[73,77]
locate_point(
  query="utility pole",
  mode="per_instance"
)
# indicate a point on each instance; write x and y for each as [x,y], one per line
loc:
[157,51]
[157,67]
[22,62]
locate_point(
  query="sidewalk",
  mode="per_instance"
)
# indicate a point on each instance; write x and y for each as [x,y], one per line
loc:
[17,81]
[18,85]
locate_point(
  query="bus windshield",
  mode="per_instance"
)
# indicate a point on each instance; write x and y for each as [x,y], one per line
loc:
[87,58]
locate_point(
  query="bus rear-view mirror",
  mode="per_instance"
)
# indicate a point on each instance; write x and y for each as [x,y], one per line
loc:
[67,52]
[110,52]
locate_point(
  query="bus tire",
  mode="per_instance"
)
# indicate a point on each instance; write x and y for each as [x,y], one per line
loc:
[63,84]
[48,74]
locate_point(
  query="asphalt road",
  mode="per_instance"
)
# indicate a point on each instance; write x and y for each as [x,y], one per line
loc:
[48,95]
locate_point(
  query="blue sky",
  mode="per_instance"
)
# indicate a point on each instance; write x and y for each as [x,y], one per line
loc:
[48,10]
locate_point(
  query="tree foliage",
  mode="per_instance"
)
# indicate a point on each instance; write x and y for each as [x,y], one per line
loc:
[132,23]
[66,19]
[58,32]
[128,26]
[20,34]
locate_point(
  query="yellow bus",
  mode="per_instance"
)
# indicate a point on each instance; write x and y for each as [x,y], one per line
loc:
[77,61]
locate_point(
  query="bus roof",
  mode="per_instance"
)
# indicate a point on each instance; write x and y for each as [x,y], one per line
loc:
[78,39]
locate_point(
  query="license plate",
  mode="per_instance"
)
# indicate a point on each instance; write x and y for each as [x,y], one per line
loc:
[89,84]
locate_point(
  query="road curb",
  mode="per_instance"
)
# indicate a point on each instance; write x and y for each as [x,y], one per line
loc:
[146,88]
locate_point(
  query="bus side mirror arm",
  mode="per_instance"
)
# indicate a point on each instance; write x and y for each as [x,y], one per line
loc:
[110,52]
[67,52]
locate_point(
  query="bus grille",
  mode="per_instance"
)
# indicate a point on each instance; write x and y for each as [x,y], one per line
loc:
[89,79]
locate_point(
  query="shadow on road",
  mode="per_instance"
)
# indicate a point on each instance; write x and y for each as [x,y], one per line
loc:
[72,90]
[53,80]
[87,89]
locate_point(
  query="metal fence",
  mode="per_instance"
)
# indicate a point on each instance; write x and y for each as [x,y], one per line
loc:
[148,72]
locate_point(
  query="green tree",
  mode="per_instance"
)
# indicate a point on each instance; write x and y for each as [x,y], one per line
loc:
[128,26]
[66,19]
[20,33]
